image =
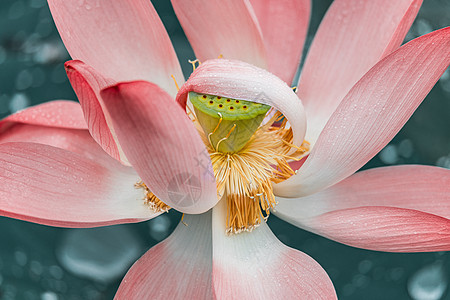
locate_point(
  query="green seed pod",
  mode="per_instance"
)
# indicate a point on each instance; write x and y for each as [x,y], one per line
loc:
[228,123]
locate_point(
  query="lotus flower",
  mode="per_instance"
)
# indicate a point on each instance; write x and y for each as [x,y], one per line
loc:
[130,151]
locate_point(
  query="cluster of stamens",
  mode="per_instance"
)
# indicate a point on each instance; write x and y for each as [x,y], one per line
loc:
[247,157]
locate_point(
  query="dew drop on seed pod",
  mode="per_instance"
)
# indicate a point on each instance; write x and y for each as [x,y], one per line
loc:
[101,254]
[428,283]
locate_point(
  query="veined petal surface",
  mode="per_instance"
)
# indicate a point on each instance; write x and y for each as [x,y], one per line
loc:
[179,267]
[372,113]
[52,186]
[162,145]
[284,25]
[122,39]
[401,209]
[227,28]
[257,265]
[353,36]
[87,83]
[58,113]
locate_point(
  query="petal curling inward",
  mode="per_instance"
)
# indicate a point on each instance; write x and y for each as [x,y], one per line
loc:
[51,186]
[239,80]
[284,25]
[58,113]
[256,265]
[372,113]
[395,200]
[162,145]
[227,28]
[87,84]
[352,37]
[124,40]
[179,267]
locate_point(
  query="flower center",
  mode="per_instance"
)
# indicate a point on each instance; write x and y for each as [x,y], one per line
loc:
[230,123]
[247,158]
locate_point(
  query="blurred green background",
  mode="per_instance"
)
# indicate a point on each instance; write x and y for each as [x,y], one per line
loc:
[39,262]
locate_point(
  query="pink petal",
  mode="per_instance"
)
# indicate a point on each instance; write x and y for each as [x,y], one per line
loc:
[401,208]
[73,140]
[177,268]
[163,145]
[372,113]
[87,84]
[51,186]
[124,40]
[239,80]
[256,265]
[60,113]
[227,28]
[284,25]
[353,36]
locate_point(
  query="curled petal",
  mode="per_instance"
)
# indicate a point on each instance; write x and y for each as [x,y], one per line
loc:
[239,80]
[87,84]
[52,186]
[284,25]
[180,267]
[162,145]
[372,113]
[353,36]
[227,28]
[256,265]
[401,208]
[122,39]
[59,113]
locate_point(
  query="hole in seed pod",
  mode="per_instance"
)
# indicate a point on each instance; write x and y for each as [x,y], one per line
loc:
[237,101]
[228,100]
[231,107]
[244,107]
[218,97]
[211,102]
[220,105]
[204,96]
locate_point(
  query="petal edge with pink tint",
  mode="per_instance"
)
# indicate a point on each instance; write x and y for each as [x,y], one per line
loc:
[162,145]
[58,113]
[372,113]
[239,80]
[177,268]
[353,36]
[284,25]
[227,28]
[52,186]
[379,209]
[123,40]
[87,83]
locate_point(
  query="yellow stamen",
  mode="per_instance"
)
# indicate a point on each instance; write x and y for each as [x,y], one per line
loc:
[193,62]
[246,177]
[220,56]
[215,129]
[176,84]
[226,137]
[151,200]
